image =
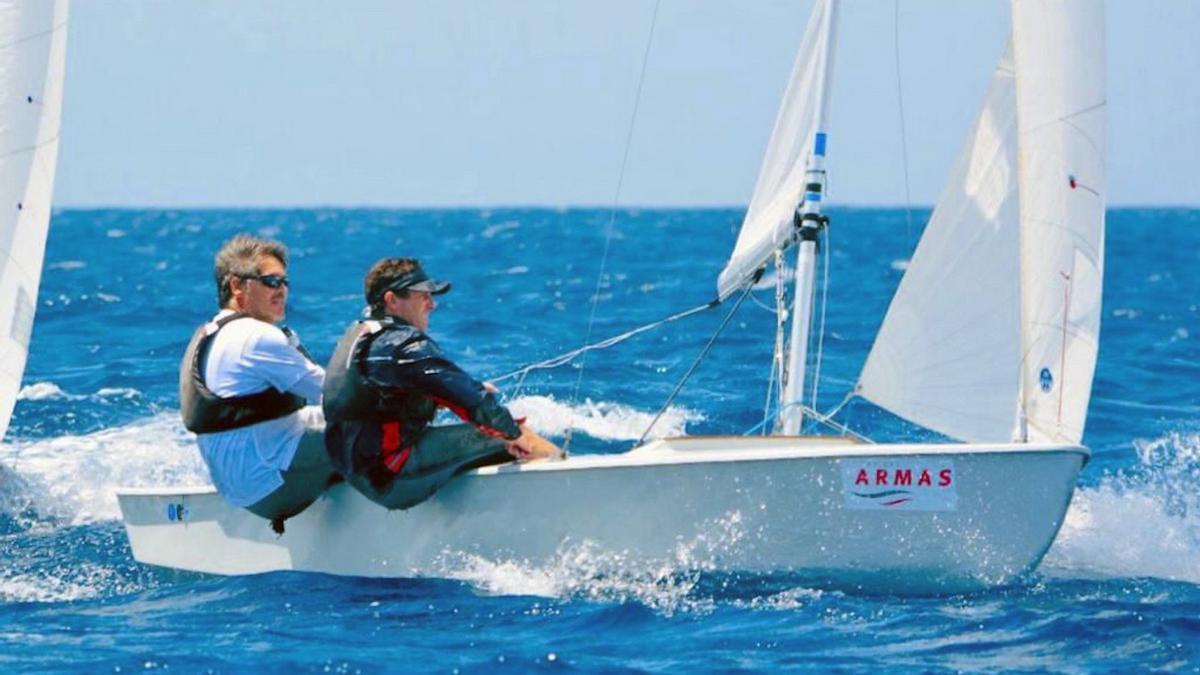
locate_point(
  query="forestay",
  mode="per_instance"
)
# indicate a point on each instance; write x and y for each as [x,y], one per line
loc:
[32,49]
[768,224]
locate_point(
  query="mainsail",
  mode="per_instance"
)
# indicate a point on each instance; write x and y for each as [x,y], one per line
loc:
[992,334]
[1059,53]
[768,224]
[32,56]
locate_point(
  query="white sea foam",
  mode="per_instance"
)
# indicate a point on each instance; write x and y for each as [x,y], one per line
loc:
[77,581]
[67,265]
[582,569]
[73,478]
[118,392]
[602,420]
[40,391]
[493,230]
[49,391]
[1143,522]
[789,600]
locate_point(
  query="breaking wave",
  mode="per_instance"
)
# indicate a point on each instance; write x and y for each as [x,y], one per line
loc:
[72,479]
[584,570]
[48,391]
[1143,521]
[602,420]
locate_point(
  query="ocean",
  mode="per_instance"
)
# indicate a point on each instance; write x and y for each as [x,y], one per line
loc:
[123,289]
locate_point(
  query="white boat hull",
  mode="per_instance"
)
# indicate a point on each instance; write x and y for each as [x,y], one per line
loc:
[981,516]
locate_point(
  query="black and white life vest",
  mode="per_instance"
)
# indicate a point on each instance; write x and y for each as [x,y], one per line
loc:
[203,411]
[370,427]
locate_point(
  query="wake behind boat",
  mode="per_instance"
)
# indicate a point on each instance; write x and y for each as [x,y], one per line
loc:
[990,340]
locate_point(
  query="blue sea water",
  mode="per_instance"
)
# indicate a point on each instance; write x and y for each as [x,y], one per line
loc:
[122,290]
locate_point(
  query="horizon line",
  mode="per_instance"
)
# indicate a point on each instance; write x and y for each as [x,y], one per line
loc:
[528,207]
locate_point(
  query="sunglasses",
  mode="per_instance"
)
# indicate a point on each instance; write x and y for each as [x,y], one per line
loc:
[268,280]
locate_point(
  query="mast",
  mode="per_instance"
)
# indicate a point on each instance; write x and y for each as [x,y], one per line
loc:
[810,223]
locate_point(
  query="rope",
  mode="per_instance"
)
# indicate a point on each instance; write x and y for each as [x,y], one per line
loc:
[762,305]
[903,131]
[696,363]
[817,416]
[567,357]
[816,380]
[612,217]
[781,314]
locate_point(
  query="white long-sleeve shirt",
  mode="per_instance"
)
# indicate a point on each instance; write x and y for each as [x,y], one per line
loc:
[248,356]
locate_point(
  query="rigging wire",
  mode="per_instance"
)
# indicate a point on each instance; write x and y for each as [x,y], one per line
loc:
[781,314]
[567,357]
[762,305]
[903,129]
[816,380]
[818,416]
[612,217]
[699,357]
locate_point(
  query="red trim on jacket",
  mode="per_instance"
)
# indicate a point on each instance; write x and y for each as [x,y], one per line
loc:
[394,456]
[465,416]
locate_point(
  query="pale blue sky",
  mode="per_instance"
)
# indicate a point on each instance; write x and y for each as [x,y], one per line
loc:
[528,102]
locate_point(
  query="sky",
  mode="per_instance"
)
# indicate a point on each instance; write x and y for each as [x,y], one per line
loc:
[212,103]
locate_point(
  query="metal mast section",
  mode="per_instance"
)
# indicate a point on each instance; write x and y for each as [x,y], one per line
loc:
[810,224]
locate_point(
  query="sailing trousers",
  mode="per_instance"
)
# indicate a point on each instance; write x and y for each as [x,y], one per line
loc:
[303,482]
[439,455]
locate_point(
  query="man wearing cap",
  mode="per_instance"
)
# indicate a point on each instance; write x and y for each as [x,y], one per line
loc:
[384,385]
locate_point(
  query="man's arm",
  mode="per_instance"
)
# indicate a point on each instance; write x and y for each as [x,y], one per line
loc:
[418,364]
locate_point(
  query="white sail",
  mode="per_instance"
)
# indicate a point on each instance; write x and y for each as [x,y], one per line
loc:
[1059,56]
[948,352]
[781,179]
[32,55]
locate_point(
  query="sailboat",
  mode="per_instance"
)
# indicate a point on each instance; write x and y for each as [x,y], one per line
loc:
[33,40]
[990,340]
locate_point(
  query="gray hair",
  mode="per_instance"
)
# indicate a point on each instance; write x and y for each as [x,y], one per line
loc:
[239,257]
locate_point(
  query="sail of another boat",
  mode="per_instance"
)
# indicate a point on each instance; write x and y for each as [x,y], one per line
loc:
[33,38]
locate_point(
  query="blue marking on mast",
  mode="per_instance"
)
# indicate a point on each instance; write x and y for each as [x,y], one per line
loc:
[812,196]
[819,144]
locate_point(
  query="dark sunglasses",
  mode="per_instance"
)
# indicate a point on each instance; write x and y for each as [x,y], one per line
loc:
[268,280]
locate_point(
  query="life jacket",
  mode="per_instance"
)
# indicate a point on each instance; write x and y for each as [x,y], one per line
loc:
[203,411]
[370,428]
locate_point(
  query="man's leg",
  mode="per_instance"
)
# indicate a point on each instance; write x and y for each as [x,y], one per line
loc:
[303,482]
[440,454]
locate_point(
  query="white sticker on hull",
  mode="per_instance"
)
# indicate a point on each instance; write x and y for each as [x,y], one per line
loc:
[899,485]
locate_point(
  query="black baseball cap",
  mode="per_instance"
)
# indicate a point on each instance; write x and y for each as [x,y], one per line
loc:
[413,280]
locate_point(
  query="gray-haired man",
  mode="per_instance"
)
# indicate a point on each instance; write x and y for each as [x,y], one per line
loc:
[244,383]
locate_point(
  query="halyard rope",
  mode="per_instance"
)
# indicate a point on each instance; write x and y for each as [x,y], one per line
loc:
[608,230]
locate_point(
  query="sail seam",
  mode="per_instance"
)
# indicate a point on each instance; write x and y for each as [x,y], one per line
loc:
[33,36]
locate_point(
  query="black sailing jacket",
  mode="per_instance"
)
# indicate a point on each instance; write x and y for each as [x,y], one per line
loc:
[382,389]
